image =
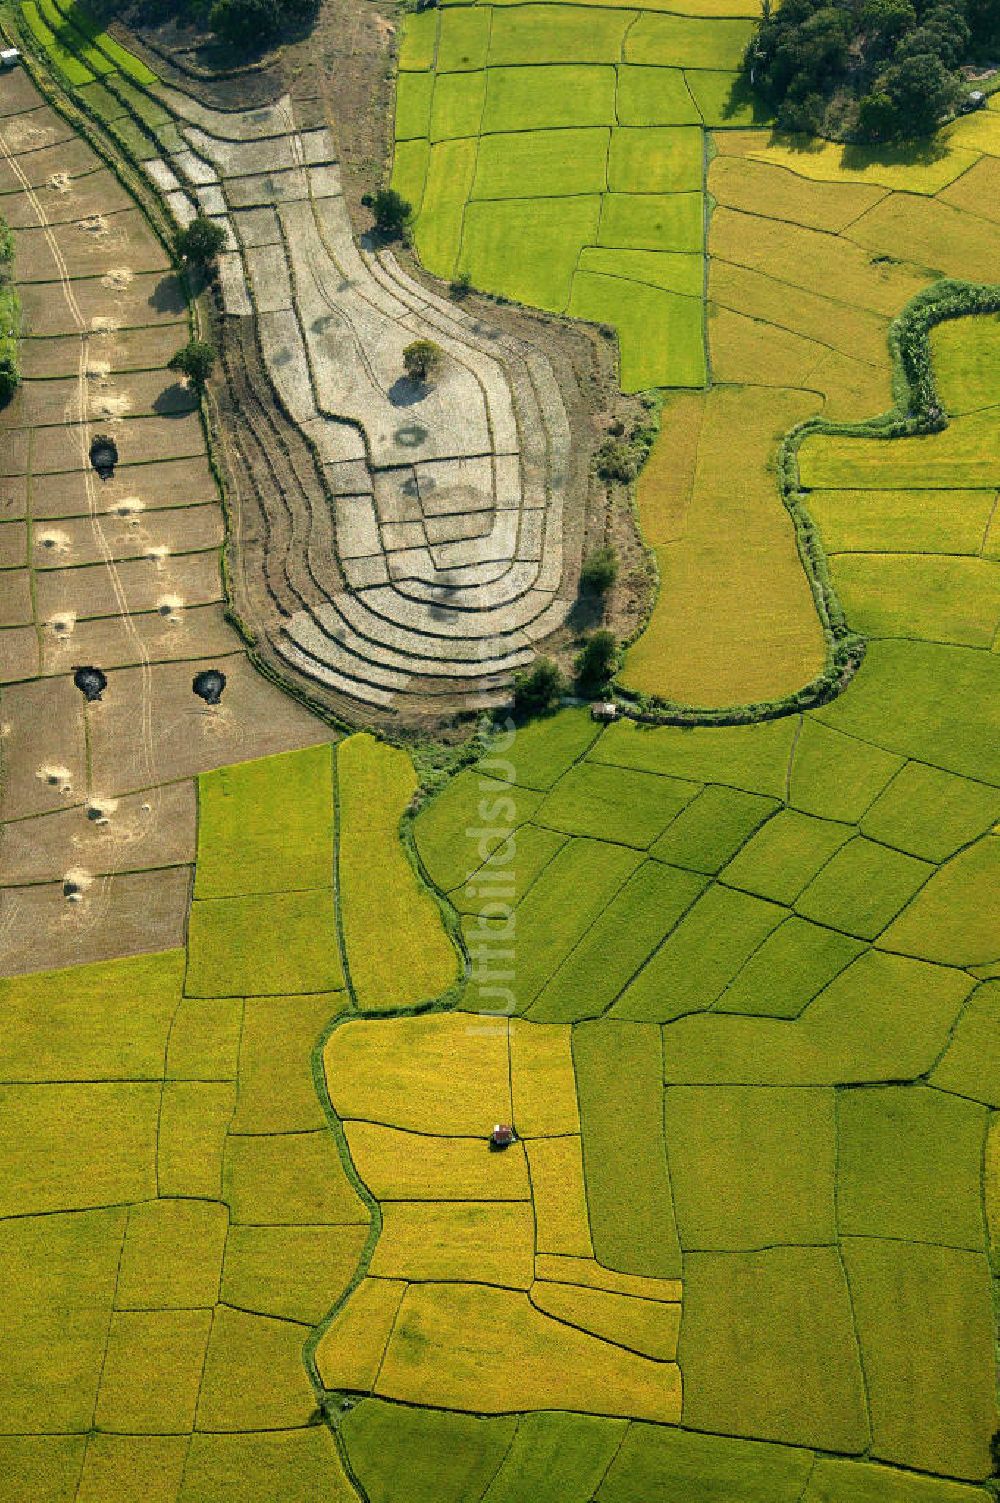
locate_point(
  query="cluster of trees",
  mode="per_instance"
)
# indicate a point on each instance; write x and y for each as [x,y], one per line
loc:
[596,663]
[251,24]
[874,70]
[248,25]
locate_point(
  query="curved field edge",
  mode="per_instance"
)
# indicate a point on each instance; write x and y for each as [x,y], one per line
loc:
[916,410]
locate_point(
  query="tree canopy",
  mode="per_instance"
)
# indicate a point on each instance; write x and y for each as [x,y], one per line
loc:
[194,360]
[200,242]
[875,70]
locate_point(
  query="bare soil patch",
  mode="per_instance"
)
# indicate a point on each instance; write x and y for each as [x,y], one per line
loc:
[133,488]
[120,350]
[254,720]
[147,585]
[150,298]
[159,535]
[97,192]
[154,828]
[151,438]
[15,598]
[19,653]
[120,242]
[39,403]
[132,914]
[42,728]
[13,545]
[34,129]
[72,157]
[113,642]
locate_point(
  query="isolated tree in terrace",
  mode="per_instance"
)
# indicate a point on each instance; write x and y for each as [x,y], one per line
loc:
[194,360]
[422,359]
[390,210]
[200,242]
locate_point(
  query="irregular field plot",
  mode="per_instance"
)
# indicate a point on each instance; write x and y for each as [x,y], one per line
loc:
[768,1348]
[751,1167]
[397,949]
[902,521]
[712,828]
[649,321]
[900,702]
[674,1466]
[426,1454]
[478,1335]
[470,802]
[882,1018]
[528,248]
[628,1186]
[910,1299]
[930,813]
[606,958]
[909,1166]
[526,98]
[706,949]
[954,600]
[735,619]
[232,949]
[613,804]
[954,920]
[266,826]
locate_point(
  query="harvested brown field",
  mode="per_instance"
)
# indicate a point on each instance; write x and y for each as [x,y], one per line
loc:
[134,488]
[132,913]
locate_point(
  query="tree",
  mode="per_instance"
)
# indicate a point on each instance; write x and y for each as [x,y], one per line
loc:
[422,359]
[390,210]
[199,243]
[921,90]
[599,571]
[194,360]
[540,689]
[597,660]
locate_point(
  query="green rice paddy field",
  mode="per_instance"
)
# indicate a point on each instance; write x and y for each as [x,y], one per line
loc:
[737,988]
[556,154]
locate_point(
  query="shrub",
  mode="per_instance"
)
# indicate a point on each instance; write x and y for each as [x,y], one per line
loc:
[194,360]
[540,688]
[616,460]
[390,211]
[599,571]
[422,359]
[199,243]
[597,660]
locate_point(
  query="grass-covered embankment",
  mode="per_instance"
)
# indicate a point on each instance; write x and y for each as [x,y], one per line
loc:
[10,317]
